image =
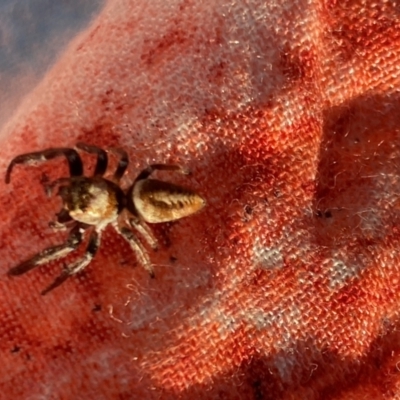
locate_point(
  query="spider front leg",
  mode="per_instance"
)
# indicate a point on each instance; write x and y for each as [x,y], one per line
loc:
[72,156]
[102,157]
[77,266]
[122,163]
[161,167]
[50,254]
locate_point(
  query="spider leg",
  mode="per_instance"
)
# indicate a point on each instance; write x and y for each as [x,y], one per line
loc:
[77,266]
[72,156]
[145,231]
[137,247]
[102,157]
[160,167]
[50,254]
[122,163]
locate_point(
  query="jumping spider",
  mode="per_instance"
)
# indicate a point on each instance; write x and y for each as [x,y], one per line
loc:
[95,202]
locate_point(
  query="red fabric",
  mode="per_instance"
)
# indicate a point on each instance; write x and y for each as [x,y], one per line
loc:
[287,285]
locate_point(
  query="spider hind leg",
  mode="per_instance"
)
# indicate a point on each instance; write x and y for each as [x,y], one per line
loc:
[145,231]
[144,174]
[137,247]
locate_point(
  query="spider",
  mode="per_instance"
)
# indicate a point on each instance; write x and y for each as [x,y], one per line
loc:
[96,202]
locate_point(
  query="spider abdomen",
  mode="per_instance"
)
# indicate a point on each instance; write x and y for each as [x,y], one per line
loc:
[92,201]
[159,201]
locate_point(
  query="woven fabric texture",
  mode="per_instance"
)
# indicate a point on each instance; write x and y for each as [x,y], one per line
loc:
[287,285]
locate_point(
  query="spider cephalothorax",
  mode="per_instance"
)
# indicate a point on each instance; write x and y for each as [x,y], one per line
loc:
[95,202]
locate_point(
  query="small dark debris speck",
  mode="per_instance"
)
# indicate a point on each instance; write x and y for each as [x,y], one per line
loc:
[323,214]
[248,210]
[96,308]
[15,349]
[328,214]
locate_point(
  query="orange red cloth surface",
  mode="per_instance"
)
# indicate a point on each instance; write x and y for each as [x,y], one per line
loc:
[287,285]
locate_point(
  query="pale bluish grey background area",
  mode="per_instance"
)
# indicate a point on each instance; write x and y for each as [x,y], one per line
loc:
[33,33]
